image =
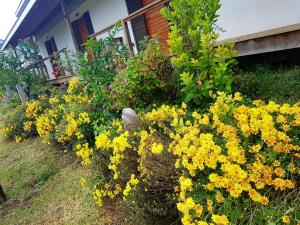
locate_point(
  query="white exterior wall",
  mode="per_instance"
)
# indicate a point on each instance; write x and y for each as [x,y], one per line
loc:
[63,39]
[244,17]
[103,13]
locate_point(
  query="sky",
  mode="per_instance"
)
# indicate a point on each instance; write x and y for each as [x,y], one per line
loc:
[7,16]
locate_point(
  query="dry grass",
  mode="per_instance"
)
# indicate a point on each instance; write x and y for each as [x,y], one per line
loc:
[43,187]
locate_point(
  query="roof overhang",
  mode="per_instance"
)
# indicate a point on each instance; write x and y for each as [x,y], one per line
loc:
[35,14]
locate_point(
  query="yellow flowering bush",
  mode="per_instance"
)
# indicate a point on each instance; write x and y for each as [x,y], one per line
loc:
[234,155]
[45,125]
[73,84]
[32,109]
[220,165]
[14,124]
[22,120]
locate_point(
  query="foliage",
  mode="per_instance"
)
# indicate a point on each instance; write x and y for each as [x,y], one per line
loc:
[20,121]
[16,68]
[229,160]
[108,58]
[227,163]
[70,62]
[13,126]
[148,78]
[203,65]
[264,82]
[100,64]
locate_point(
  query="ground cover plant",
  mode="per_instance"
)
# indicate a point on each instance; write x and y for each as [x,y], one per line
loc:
[200,155]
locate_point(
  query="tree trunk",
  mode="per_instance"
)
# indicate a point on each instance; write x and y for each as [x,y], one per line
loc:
[3,197]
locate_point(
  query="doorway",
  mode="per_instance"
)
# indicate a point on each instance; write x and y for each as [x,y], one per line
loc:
[83,28]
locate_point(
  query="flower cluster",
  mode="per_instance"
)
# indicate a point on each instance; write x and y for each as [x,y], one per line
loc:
[45,124]
[232,151]
[32,109]
[233,143]
[6,130]
[73,84]
[131,184]
[84,152]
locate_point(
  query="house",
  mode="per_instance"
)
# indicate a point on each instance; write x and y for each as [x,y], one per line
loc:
[56,25]
[261,27]
[1,42]
[257,27]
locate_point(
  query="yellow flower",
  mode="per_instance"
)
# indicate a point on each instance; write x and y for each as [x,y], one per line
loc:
[84,118]
[82,182]
[255,149]
[131,185]
[286,219]
[220,220]
[27,126]
[45,125]
[103,141]
[237,97]
[18,139]
[85,153]
[32,109]
[198,210]
[276,163]
[53,100]
[219,197]
[72,85]
[157,148]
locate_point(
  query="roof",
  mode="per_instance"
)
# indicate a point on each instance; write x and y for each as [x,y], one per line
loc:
[18,23]
[21,7]
[32,14]
[32,17]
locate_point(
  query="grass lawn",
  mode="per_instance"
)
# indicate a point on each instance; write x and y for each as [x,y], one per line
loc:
[43,186]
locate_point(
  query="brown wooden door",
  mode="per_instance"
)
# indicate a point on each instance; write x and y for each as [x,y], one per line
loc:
[156,24]
[82,28]
[83,31]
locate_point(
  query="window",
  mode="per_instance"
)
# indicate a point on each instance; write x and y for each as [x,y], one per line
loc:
[138,23]
[51,46]
[83,28]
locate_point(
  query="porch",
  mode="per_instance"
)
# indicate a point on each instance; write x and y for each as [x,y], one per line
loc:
[59,26]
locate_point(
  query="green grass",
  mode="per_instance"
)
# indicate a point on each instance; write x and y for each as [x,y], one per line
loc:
[42,185]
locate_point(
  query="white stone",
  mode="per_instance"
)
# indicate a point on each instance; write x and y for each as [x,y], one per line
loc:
[130,119]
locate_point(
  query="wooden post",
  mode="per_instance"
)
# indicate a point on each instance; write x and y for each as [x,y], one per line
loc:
[3,197]
[69,25]
[23,96]
[127,37]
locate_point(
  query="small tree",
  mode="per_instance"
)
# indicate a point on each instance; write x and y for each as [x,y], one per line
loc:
[15,66]
[203,65]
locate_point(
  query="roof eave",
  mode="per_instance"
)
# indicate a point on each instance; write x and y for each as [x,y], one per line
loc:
[18,23]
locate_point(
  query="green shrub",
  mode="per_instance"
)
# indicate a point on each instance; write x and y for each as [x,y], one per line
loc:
[202,65]
[148,78]
[13,124]
[268,83]
[108,57]
[16,68]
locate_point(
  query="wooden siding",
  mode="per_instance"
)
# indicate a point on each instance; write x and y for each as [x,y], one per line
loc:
[156,24]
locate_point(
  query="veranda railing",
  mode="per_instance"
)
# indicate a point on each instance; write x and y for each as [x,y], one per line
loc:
[127,19]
